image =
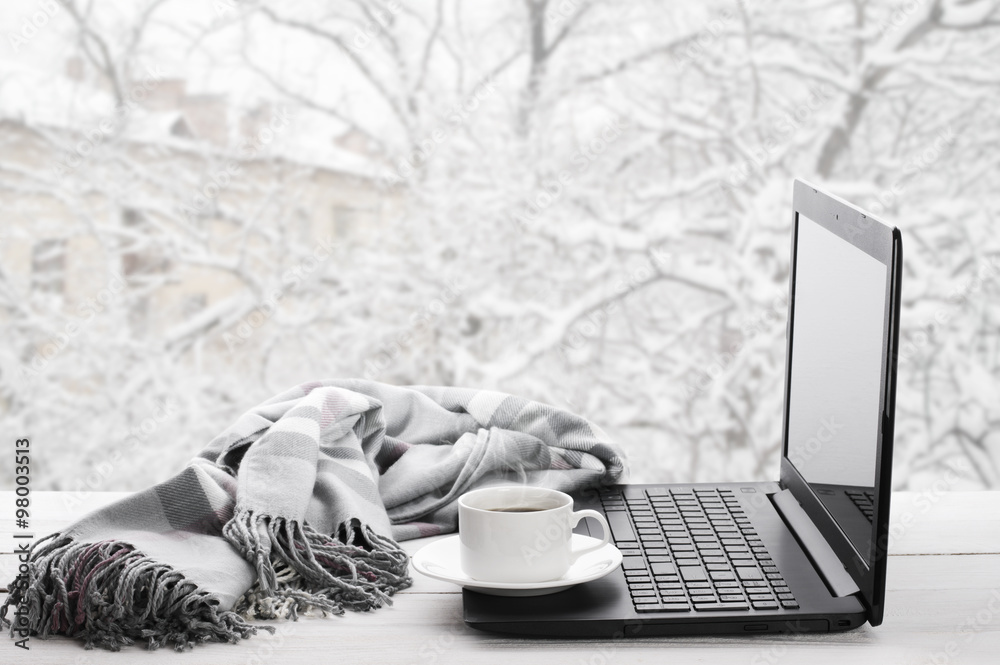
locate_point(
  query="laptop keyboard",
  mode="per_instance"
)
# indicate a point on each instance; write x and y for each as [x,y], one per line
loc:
[865,501]
[692,550]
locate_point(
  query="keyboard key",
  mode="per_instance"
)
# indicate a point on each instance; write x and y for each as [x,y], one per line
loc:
[748,573]
[666,607]
[760,605]
[755,583]
[699,584]
[685,555]
[786,596]
[621,528]
[782,589]
[723,575]
[643,594]
[701,592]
[645,586]
[645,600]
[726,584]
[638,580]
[720,607]
[717,566]
[732,598]
[662,568]
[760,596]
[633,563]
[631,552]
[789,605]
[690,573]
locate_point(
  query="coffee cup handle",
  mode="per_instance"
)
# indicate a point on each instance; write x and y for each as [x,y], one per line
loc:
[579,515]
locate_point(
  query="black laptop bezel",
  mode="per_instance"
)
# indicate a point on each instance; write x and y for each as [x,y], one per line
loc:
[883,243]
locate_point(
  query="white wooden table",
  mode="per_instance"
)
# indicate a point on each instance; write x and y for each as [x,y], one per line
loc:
[943,573]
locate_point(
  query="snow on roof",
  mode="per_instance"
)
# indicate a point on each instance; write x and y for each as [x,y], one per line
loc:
[41,99]
[311,139]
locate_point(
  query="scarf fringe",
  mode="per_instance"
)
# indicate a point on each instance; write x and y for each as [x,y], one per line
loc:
[108,594]
[300,570]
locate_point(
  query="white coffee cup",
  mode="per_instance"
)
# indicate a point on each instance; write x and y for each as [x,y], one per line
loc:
[520,534]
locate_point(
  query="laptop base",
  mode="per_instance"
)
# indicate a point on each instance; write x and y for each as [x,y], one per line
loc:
[604,607]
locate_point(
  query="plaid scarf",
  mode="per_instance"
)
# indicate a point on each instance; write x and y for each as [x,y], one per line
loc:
[296,507]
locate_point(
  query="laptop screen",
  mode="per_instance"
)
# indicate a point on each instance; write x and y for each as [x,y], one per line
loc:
[835,375]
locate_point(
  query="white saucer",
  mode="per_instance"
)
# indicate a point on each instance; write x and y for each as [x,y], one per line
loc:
[440,560]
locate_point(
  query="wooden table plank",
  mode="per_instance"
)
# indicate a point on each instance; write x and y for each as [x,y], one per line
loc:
[936,522]
[942,606]
[427,628]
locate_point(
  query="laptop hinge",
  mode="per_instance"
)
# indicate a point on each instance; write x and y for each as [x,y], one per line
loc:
[830,568]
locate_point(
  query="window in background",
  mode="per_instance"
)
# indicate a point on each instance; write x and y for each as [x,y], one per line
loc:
[346,220]
[192,304]
[141,256]
[48,266]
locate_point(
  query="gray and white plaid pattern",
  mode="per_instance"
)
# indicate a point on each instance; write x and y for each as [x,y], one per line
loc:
[297,506]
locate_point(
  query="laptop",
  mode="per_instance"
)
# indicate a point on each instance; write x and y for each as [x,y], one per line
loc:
[804,553]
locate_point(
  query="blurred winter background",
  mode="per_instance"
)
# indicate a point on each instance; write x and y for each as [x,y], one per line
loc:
[581,201]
